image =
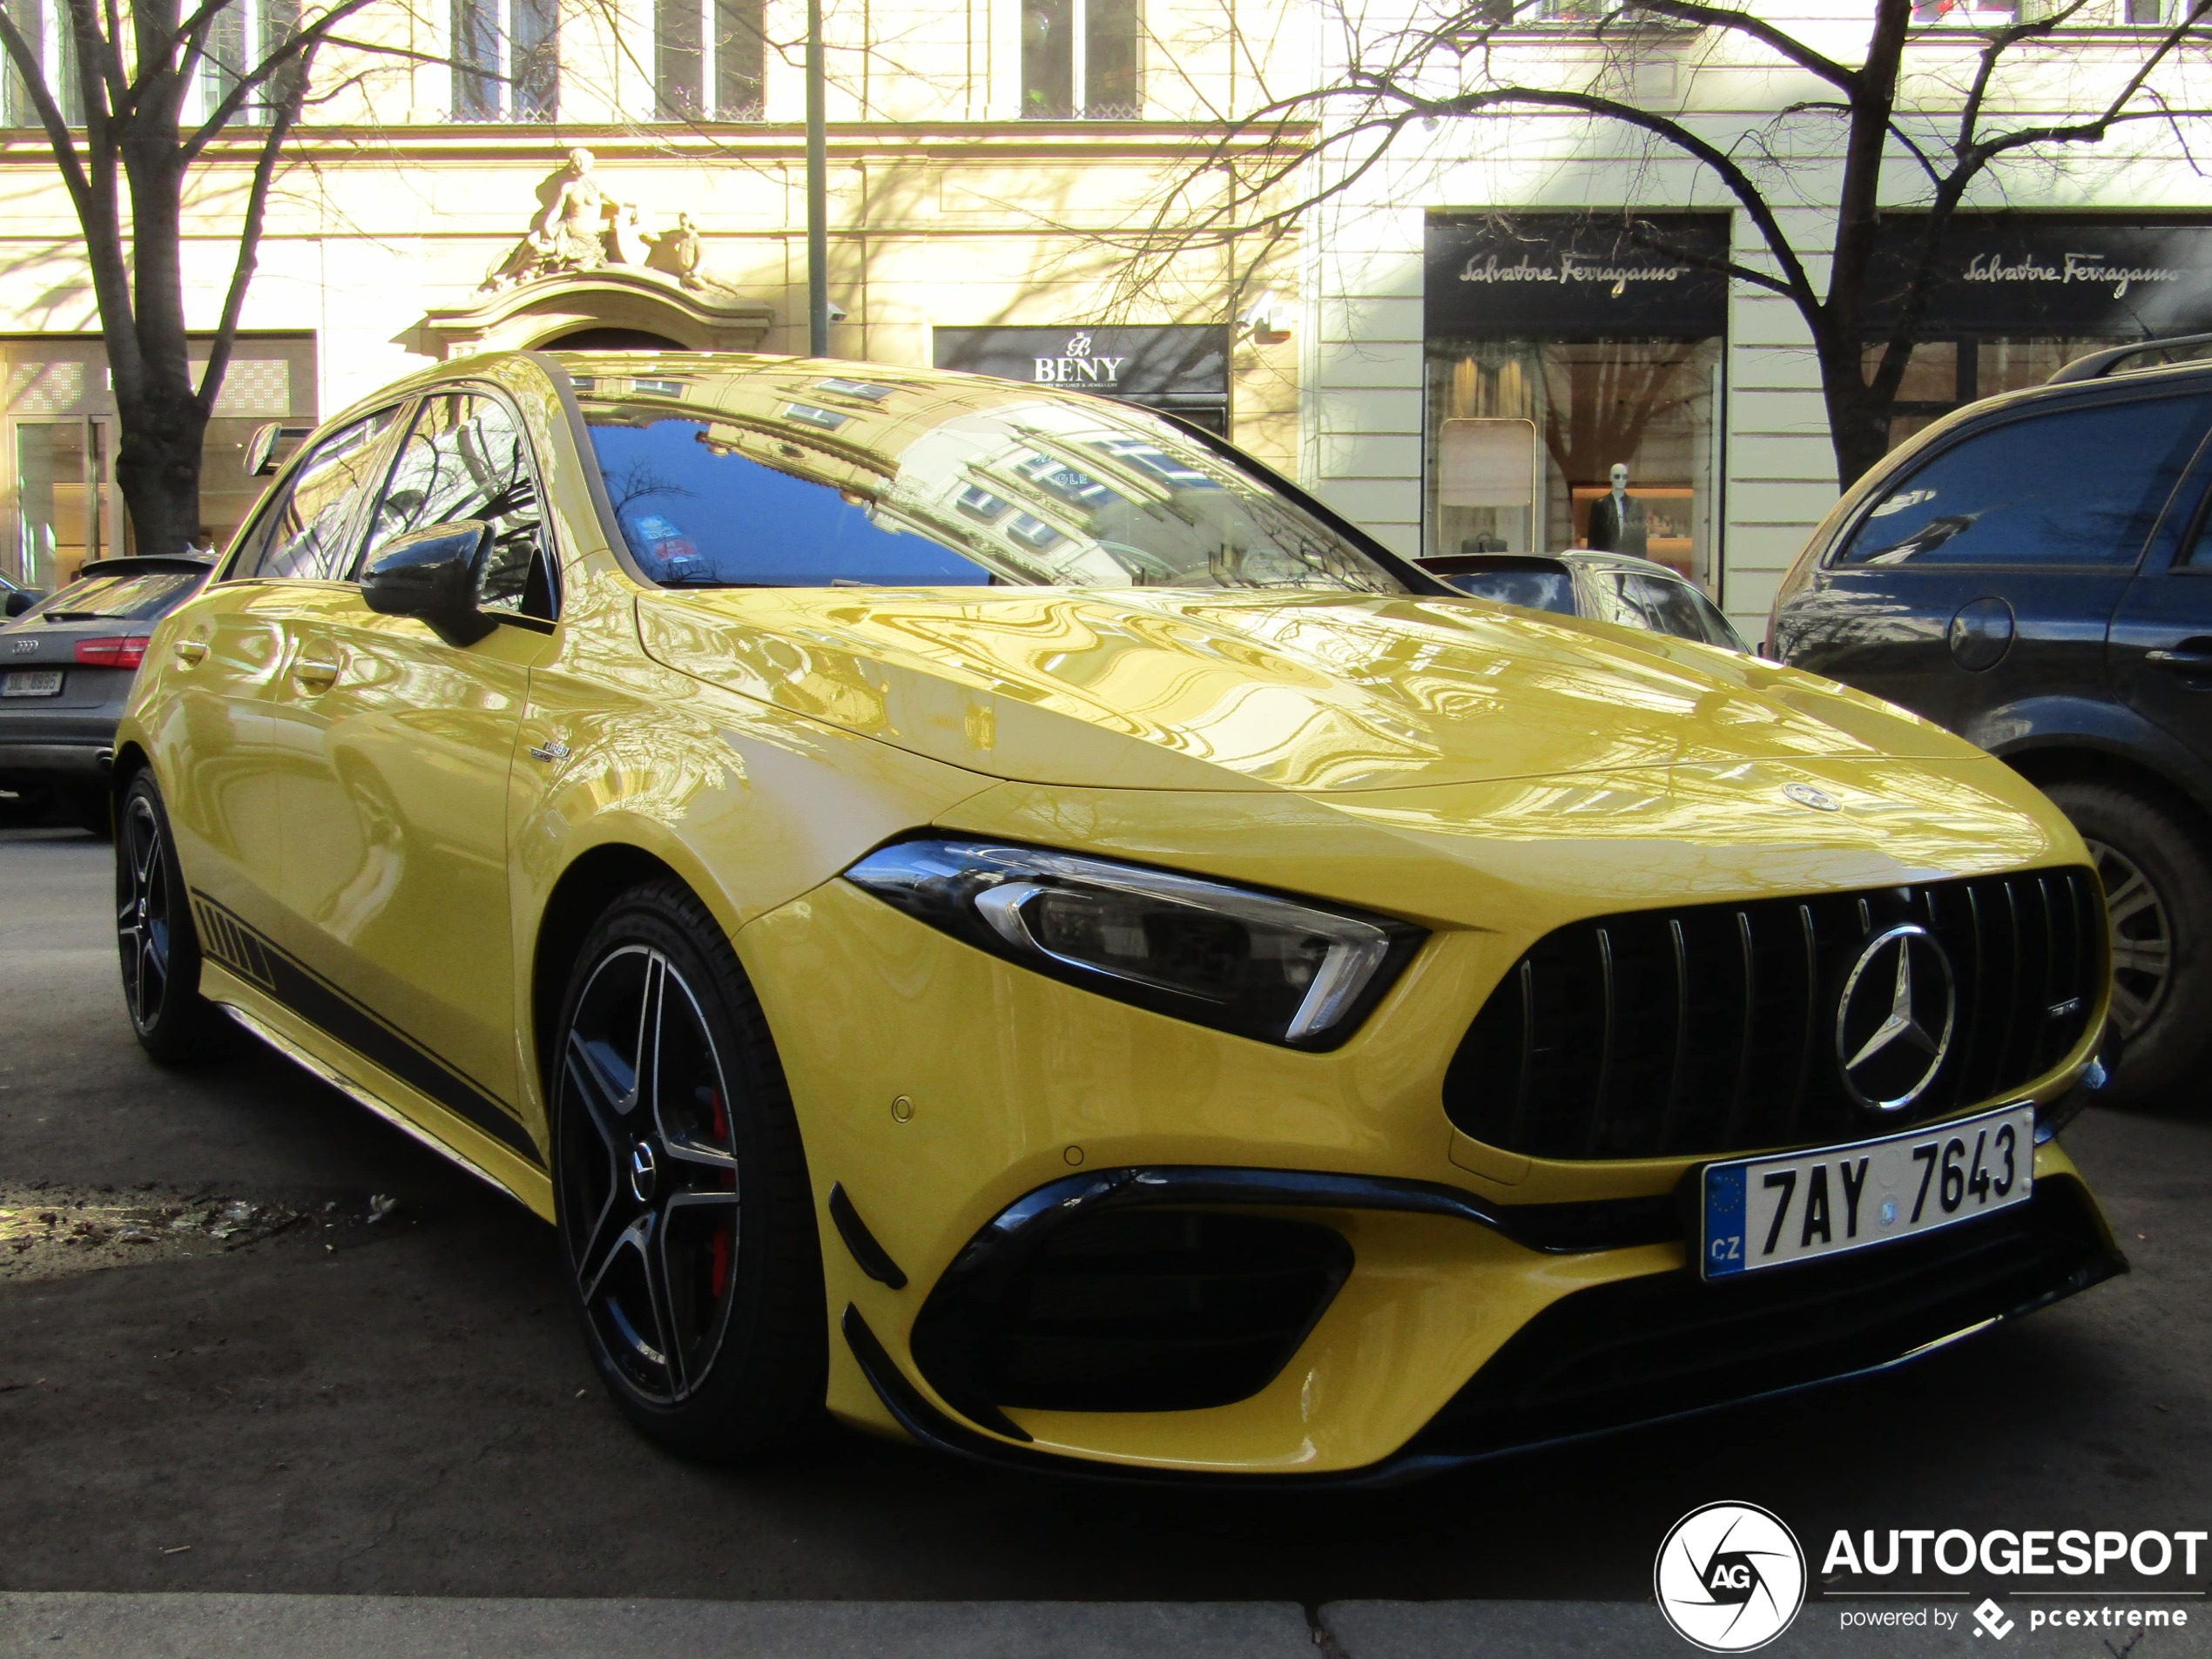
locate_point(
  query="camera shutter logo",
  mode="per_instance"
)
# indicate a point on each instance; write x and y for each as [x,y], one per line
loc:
[1730,1577]
[1895,1018]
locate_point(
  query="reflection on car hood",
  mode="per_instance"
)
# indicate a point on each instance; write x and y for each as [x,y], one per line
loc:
[1178,689]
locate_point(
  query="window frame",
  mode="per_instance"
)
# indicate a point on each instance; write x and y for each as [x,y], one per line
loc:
[497,81]
[551,539]
[1880,485]
[707,49]
[1079,32]
[279,493]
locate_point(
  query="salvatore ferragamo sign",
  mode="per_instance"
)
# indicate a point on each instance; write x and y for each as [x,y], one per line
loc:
[2051,274]
[1574,273]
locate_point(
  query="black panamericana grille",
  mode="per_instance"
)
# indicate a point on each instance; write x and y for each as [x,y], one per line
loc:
[1711,1028]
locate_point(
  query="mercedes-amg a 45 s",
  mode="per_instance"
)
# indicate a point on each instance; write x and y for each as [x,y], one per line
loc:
[984,912]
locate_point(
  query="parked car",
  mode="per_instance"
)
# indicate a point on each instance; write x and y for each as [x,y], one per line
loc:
[16,597]
[1611,587]
[2034,573]
[982,910]
[66,664]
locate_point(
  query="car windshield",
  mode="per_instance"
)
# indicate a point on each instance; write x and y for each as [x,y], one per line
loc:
[800,480]
[126,597]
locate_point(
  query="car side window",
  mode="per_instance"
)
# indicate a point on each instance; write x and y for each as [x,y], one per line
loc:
[465,458]
[303,535]
[2073,487]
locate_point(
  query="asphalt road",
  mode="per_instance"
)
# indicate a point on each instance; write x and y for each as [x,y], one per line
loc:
[402,1406]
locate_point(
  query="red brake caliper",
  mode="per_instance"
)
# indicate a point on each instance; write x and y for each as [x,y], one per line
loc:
[718,1268]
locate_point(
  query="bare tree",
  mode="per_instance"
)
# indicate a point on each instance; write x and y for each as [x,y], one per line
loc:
[1922,135]
[126,160]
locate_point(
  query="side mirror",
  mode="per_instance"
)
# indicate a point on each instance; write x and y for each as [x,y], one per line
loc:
[261,459]
[432,574]
[18,600]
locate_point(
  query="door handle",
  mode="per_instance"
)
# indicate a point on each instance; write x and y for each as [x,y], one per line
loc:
[2184,662]
[315,674]
[191,652]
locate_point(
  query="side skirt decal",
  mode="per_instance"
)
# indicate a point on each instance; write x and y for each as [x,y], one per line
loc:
[260,960]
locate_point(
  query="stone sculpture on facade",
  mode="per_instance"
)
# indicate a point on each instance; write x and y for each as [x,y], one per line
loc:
[582,228]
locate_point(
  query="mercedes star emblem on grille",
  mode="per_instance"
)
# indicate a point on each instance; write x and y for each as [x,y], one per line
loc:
[1895,1017]
[1819,800]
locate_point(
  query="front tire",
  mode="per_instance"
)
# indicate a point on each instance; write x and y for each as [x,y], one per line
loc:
[680,1186]
[155,938]
[2158,902]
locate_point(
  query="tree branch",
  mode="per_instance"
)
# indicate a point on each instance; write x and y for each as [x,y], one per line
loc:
[1744,23]
[303,40]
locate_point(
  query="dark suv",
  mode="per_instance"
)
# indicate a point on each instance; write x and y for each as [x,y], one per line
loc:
[2035,572]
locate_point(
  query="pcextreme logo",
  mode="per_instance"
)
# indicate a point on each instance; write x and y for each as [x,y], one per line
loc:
[1730,1577]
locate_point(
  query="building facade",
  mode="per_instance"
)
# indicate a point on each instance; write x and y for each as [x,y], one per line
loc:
[435,203]
[1486,345]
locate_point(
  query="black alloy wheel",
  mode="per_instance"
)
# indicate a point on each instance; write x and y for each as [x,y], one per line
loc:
[2158,908]
[155,940]
[681,1191]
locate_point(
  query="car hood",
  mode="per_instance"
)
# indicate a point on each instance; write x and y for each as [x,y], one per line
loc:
[1178,689]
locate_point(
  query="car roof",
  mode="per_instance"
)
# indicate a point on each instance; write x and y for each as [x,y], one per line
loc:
[1581,557]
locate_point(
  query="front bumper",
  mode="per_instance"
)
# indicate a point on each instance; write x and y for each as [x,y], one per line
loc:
[1646,1349]
[942,1091]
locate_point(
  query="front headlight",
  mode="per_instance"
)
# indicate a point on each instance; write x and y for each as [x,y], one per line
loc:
[1283,970]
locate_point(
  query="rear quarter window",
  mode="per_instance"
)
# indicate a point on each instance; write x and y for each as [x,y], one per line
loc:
[2082,486]
[143,597]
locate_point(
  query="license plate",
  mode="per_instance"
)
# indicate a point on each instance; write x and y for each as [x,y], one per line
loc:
[38,682]
[1762,1212]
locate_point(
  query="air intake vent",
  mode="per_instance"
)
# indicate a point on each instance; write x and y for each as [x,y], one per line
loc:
[1135,1310]
[1711,1029]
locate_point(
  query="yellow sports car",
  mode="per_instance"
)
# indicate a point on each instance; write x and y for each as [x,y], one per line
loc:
[983,911]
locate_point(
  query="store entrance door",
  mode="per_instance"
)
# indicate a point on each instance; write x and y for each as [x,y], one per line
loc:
[68,511]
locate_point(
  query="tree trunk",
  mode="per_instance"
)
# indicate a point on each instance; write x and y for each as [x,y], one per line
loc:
[157,466]
[157,463]
[1858,423]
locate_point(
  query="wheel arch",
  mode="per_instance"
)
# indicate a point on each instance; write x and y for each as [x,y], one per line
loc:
[2061,762]
[131,759]
[595,880]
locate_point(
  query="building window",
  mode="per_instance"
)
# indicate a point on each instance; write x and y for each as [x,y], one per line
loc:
[241,38]
[506,65]
[1524,435]
[708,58]
[1574,386]
[1081,57]
[60,505]
[1943,375]
[44,23]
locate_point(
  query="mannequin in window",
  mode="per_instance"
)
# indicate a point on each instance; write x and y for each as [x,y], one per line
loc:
[1616,519]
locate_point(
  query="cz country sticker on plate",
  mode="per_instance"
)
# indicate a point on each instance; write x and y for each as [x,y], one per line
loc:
[1762,1212]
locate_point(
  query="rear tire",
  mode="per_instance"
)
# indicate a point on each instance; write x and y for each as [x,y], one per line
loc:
[155,938]
[2158,898]
[680,1187]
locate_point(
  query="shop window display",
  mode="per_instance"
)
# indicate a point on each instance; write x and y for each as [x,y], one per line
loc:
[1540,446]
